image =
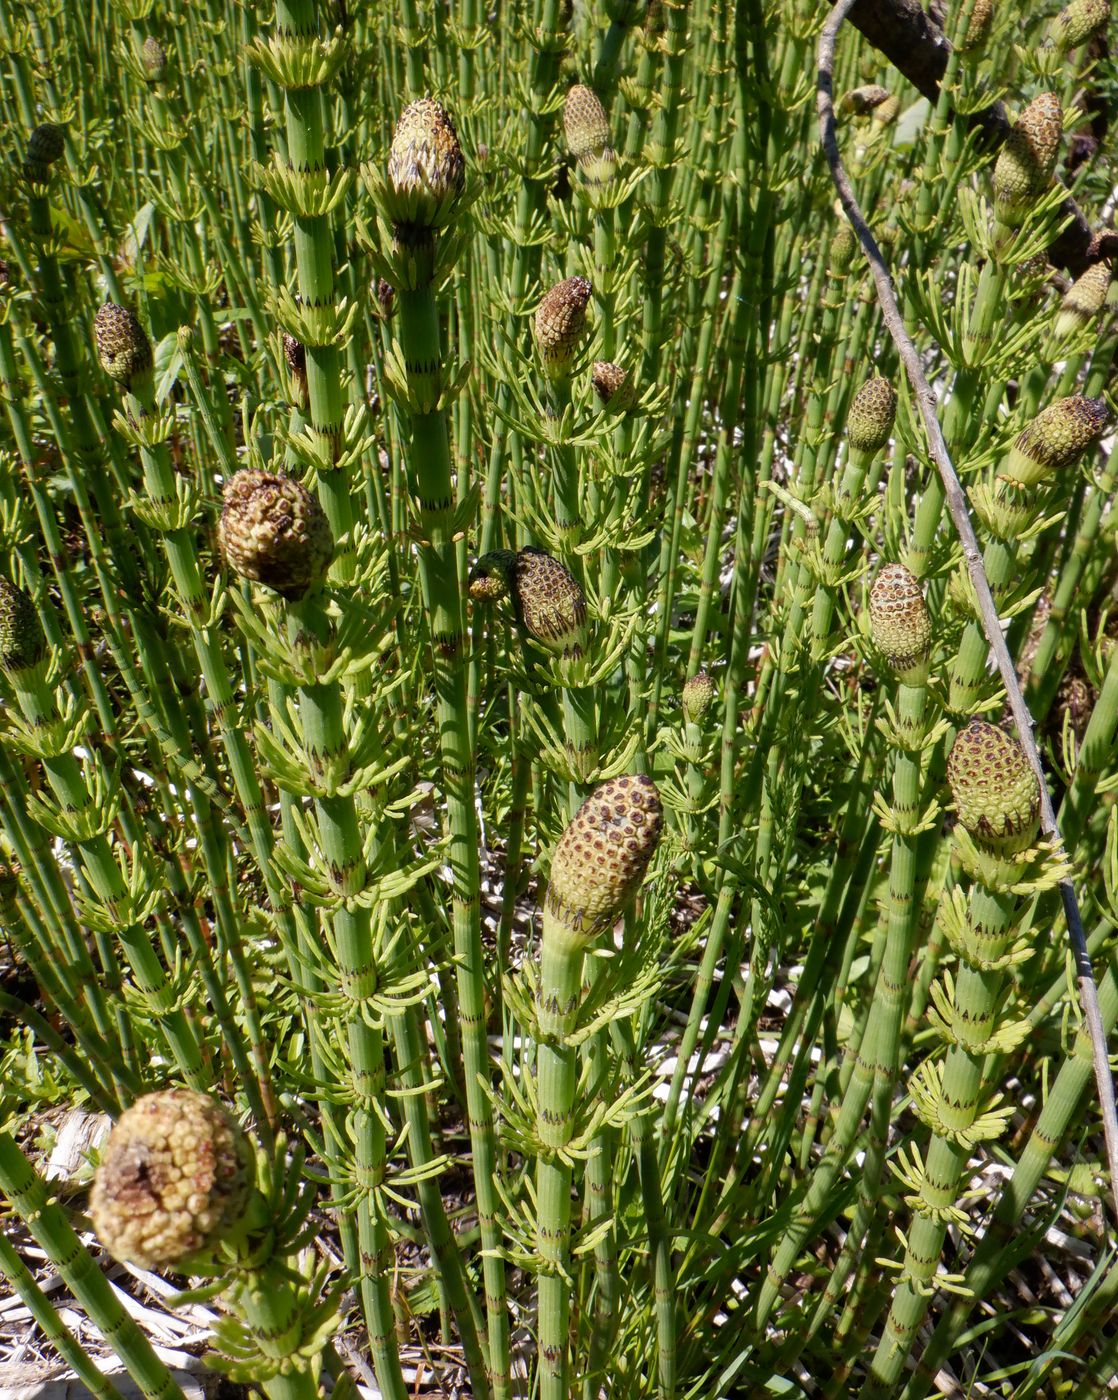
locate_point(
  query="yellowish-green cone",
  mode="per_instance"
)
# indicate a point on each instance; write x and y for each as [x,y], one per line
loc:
[174,1177]
[1084,299]
[900,624]
[698,696]
[1055,439]
[869,422]
[1075,24]
[995,790]
[1024,166]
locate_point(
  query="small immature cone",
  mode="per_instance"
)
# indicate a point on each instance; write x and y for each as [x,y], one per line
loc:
[1024,166]
[978,30]
[1055,439]
[549,602]
[900,624]
[1083,300]
[22,644]
[602,856]
[426,171]
[273,531]
[869,421]
[46,143]
[44,146]
[491,577]
[861,101]
[174,1177]
[153,56]
[560,325]
[613,386]
[697,697]
[123,346]
[386,297]
[994,789]
[295,353]
[841,253]
[1075,24]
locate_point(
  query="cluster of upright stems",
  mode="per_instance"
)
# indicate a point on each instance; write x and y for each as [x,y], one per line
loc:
[526,508]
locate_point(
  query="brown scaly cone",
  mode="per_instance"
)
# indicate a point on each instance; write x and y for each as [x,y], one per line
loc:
[900,624]
[603,854]
[549,602]
[426,170]
[22,644]
[1055,439]
[995,790]
[123,347]
[560,325]
[174,1178]
[613,386]
[273,531]
[870,418]
[978,30]
[1023,170]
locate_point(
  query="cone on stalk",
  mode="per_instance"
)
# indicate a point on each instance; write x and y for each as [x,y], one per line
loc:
[123,347]
[274,532]
[900,624]
[603,854]
[994,788]
[560,326]
[22,644]
[870,418]
[174,1177]
[1023,170]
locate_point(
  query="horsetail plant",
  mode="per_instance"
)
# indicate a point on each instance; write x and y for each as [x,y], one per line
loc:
[597,868]
[426,442]
[996,797]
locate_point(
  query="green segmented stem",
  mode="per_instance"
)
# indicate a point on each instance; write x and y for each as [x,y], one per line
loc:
[314,259]
[98,860]
[51,1325]
[194,598]
[321,715]
[994,1256]
[1046,668]
[883,1049]
[560,990]
[51,1230]
[429,466]
[977,993]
